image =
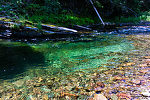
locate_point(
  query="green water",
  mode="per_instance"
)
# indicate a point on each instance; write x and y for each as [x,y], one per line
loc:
[62,56]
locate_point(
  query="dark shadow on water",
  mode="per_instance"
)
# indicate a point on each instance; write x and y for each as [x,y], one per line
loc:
[15,59]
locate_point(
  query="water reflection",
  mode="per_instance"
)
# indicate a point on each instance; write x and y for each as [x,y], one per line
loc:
[16,57]
[51,58]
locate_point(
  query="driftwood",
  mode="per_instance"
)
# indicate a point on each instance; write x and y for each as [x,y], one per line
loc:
[56,28]
[80,28]
[97,13]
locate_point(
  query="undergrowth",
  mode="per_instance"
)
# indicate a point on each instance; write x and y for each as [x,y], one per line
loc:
[61,19]
[144,16]
[54,14]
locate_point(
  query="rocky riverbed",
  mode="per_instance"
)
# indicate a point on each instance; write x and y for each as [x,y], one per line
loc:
[128,80]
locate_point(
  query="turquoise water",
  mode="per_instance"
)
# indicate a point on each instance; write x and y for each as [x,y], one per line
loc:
[61,56]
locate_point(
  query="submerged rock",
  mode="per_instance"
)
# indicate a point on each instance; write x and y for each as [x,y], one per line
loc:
[98,86]
[146,93]
[64,94]
[99,97]
[19,83]
[114,97]
[124,96]
[45,97]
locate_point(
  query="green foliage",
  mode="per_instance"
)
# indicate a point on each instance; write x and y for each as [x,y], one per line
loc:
[35,9]
[16,27]
[1,9]
[21,7]
[98,4]
[61,19]
[145,16]
[67,12]
[39,25]
[49,6]
[53,5]
[127,19]
[121,8]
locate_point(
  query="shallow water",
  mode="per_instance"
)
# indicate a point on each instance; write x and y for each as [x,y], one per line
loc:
[73,66]
[86,53]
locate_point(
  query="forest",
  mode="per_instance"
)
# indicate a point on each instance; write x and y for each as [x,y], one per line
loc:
[76,11]
[74,49]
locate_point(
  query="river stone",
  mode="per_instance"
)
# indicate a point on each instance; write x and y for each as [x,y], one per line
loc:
[45,89]
[27,78]
[99,97]
[1,89]
[45,97]
[146,93]
[19,83]
[143,65]
[114,97]
[124,95]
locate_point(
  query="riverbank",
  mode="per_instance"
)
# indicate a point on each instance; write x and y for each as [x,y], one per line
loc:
[24,29]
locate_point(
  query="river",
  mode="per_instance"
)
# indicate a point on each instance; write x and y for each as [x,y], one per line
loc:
[48,65]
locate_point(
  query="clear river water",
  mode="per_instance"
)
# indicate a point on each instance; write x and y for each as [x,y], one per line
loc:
[52,57]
